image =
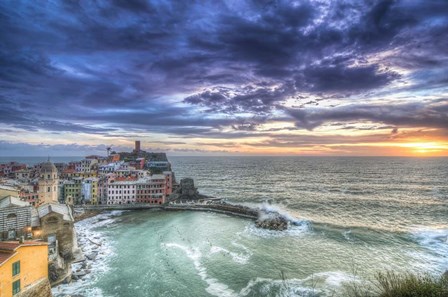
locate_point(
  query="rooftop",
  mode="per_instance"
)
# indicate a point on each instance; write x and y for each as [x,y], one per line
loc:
[11,201]
[8,248]
[48,167]
[62,209]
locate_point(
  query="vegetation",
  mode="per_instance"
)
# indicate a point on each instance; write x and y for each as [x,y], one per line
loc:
[391,284]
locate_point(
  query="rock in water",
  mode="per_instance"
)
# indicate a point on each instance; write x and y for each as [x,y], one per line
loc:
[271,221]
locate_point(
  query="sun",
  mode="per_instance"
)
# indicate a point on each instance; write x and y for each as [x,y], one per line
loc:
[425,148]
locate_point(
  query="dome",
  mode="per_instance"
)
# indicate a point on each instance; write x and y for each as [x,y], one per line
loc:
[48,167]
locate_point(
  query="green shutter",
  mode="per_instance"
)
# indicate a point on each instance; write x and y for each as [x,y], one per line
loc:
[16,287]
[15,268]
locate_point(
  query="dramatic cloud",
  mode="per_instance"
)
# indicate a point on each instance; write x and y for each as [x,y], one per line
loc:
[434,114]
[114,70]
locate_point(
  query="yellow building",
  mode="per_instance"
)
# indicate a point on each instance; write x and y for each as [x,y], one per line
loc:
[48,183]
[90,191]
[22,265]
[8,191]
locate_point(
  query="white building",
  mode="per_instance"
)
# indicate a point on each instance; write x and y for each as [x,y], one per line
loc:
[85,165]
[121,192]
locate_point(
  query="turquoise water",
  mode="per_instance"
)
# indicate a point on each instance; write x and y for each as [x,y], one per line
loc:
[356,216]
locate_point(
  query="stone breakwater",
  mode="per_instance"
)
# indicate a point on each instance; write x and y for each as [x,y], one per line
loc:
[265,217]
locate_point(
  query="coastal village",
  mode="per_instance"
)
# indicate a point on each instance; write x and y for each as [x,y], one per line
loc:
[37,237]
[39,205]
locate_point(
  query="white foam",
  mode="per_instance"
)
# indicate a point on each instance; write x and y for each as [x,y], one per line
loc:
[299,287]
[240,258]
[347,235]
[277,209]
[214,288]
[434,240]
[299,229]
[90,241]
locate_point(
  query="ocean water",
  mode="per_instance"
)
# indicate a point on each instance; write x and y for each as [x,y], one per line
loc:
[355,217]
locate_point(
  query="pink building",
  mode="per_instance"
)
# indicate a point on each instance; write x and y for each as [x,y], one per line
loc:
[129,190]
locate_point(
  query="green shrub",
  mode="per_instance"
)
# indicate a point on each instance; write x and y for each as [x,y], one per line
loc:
[410,285]
[391,284]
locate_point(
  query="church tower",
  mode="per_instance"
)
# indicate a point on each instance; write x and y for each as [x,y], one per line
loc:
[48,183]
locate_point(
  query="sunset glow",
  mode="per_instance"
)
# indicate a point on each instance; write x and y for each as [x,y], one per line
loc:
[319,78]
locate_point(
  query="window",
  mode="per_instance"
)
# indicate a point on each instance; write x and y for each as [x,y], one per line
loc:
[15,268]
[16,287]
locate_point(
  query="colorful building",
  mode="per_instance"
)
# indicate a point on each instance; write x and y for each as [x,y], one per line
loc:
[22,265]
[128,190]
[89,190]
[73,188]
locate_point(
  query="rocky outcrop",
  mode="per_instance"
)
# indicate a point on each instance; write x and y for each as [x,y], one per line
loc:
[272,221]
[186,191]
[39,289]
[59,270]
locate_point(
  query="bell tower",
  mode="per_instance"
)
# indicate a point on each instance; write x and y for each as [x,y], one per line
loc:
[48,183]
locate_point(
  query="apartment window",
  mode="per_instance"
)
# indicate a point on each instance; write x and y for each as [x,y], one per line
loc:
[16,287]
[15,268]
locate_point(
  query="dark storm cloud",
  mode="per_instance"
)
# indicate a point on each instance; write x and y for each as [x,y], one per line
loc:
[77,65]
[422,114]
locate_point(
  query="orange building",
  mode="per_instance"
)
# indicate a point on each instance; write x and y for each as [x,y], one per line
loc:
[22,265]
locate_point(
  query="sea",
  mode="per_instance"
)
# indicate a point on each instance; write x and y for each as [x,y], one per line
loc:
[354,217]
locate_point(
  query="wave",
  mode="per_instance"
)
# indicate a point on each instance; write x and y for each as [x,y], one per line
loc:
[318,284]
[434,240]
[241,258]
[91,241]
[327,281]
[215,287]
[269,208]
[294,230]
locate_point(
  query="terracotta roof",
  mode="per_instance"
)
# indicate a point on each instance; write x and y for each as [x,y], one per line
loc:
[9,245]
[13,245]
[5,256]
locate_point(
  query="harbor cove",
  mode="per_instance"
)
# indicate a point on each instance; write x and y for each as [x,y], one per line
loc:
[188,253]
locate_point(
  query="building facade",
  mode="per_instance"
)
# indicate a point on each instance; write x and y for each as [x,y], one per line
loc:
[15,218]
[22,265]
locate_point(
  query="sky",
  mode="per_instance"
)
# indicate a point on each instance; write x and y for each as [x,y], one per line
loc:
[235,77]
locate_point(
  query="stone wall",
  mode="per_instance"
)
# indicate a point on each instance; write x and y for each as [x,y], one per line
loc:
[54,223]
[39,289]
